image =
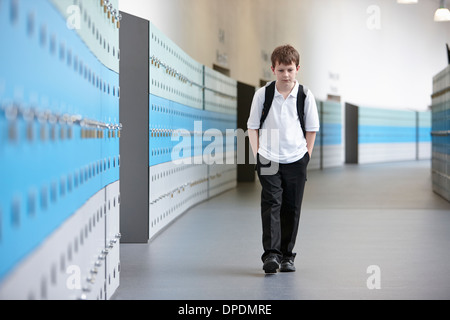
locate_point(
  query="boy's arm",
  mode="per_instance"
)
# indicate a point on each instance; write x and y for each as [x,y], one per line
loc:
[253,136]
[310,140]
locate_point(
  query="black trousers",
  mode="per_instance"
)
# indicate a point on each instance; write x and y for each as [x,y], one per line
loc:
[281,201]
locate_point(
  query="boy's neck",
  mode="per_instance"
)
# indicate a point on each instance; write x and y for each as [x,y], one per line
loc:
[285,88]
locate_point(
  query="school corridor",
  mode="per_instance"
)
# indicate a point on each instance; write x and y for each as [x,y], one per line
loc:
[374,231]
[126,136]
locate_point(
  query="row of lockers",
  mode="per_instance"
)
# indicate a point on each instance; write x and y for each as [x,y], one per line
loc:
[380,135]
[178,131]
[441,133]
[96,23]
[59,134]
[393,135]
[175,188]
[328,149]
[191,107]
[78,261]
[44,61]
[174,75]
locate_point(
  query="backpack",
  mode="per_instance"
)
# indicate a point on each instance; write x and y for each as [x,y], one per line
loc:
[270,93]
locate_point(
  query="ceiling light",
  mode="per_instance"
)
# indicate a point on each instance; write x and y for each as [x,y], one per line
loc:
[407,1]
[442,14]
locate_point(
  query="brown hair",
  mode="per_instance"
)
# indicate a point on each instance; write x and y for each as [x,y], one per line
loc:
[286,54]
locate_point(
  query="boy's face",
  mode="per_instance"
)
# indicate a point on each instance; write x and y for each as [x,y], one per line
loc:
[286,74]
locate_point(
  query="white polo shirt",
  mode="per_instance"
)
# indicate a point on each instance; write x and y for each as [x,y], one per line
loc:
[281,138]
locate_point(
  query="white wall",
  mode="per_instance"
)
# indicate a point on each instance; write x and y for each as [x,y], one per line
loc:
[390,64]
[387,62]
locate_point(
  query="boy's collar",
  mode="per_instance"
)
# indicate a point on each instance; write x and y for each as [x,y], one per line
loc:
[294,91]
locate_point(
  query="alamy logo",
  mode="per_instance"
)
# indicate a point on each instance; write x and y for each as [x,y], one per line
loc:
[374,20]
[214,144]
[374,280]
[74,17]
[73,281]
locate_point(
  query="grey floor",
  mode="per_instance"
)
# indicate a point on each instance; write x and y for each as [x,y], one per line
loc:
[353,217]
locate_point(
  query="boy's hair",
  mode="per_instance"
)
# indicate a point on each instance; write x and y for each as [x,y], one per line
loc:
[285,54]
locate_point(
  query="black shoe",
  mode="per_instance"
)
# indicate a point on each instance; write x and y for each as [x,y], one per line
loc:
[271,265]
[287,264]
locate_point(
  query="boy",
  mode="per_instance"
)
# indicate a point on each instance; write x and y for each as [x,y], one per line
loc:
[282,152]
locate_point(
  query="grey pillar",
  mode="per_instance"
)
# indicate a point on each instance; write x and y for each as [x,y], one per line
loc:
[134,141]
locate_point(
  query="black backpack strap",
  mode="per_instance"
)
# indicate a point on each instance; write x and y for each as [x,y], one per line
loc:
[270,93]
[301,97]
